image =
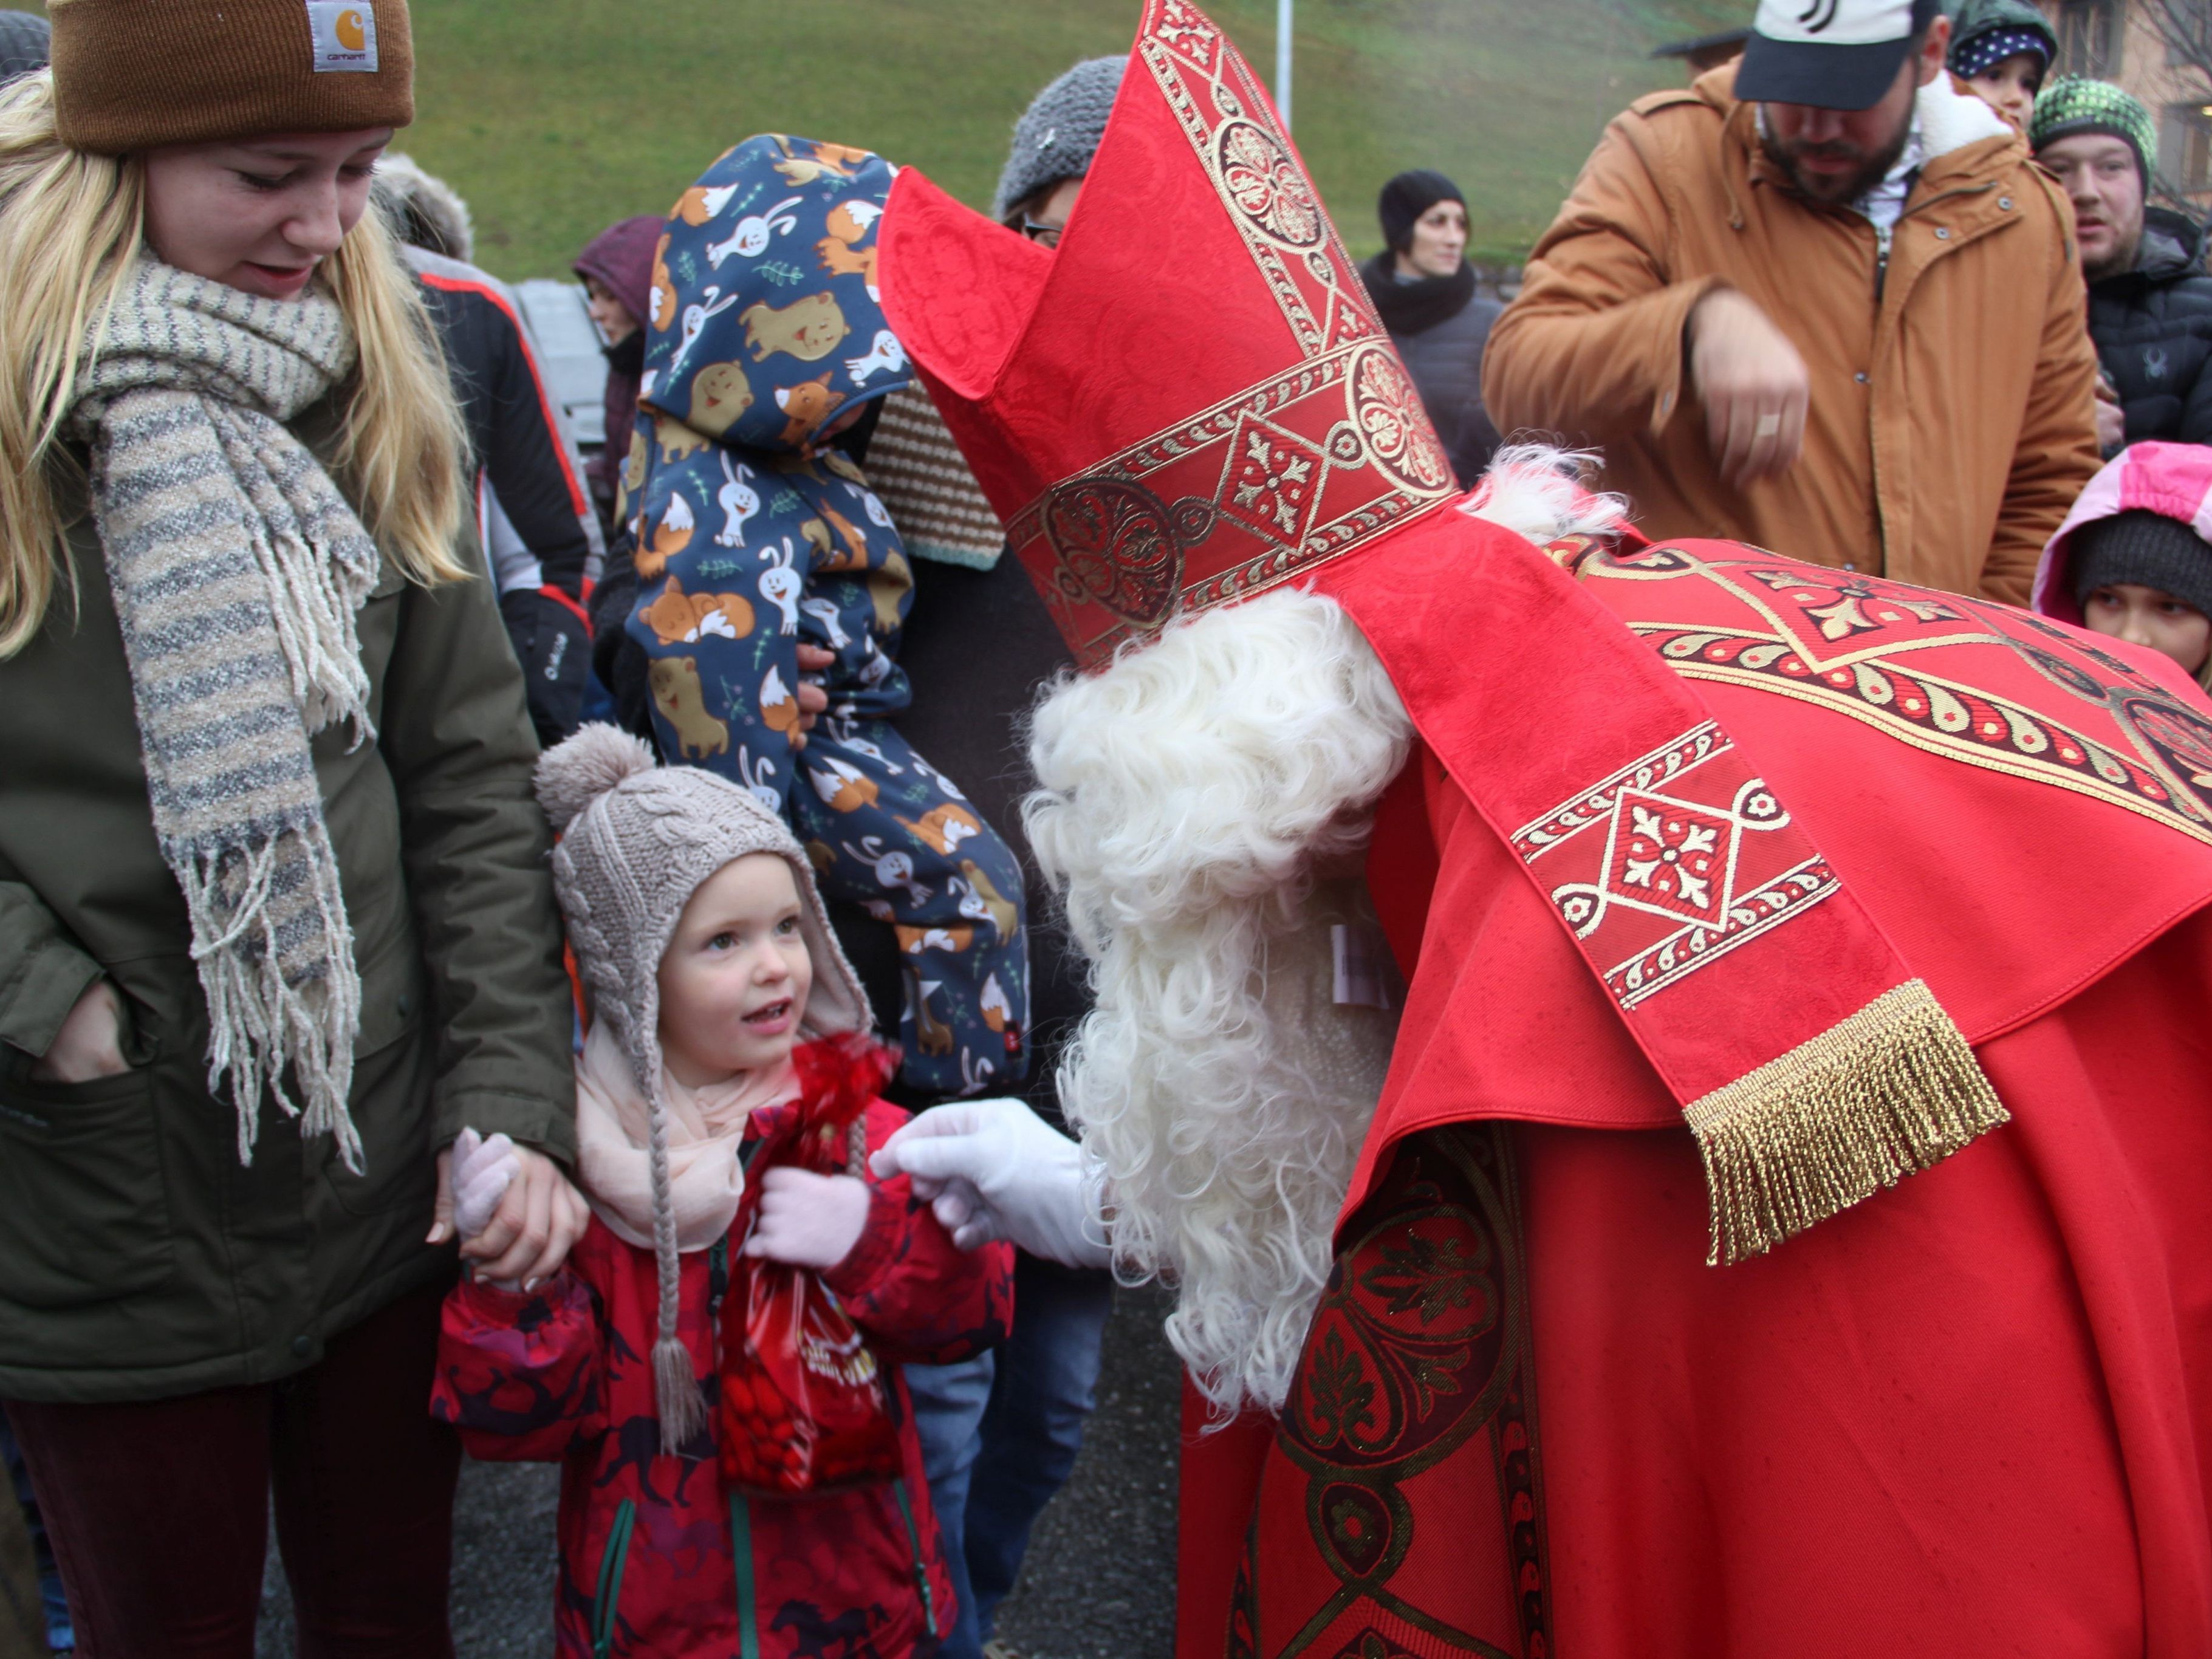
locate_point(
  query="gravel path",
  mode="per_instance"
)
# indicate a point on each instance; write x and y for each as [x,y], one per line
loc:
[1099,1582]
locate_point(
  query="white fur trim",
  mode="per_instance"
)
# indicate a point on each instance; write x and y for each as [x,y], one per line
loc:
[401,186]
[1191,794]
[1950,119]
[1541,492]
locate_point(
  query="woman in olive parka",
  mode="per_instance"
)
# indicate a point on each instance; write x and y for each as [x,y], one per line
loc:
[275,924]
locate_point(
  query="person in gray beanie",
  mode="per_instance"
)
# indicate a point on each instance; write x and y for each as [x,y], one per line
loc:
[1054,142]
[727,1066]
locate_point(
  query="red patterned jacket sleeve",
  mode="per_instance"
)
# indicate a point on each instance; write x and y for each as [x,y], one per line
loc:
[920,1297]
[521,1375]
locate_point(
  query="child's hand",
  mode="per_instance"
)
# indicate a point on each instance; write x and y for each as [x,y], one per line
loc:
[812,698]
[808,1220]
[537,1220]
[482,1172]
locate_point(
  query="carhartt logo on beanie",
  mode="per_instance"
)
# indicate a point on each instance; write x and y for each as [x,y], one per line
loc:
[135,75]
[345,36]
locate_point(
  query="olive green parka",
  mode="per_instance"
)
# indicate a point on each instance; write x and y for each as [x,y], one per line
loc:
[138,1259]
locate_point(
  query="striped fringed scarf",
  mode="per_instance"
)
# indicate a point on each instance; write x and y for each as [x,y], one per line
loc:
[237,569]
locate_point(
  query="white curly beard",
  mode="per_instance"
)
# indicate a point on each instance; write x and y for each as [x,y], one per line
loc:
[1200,803]
[1202,808]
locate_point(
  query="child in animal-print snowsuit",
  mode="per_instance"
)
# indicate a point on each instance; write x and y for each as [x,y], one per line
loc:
[752,537]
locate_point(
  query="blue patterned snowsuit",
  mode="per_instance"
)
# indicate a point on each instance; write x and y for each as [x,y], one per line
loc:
[765,329]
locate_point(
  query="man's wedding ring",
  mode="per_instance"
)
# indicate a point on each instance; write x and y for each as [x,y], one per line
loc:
[1767,427]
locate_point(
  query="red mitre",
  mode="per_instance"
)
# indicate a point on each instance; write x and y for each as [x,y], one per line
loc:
[1288,432]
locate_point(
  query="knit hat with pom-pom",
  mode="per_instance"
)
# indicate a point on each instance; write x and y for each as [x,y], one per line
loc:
[637,839]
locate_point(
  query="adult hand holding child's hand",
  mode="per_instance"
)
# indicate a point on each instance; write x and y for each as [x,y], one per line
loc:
[527,1215]
[808,1220]
[482,1170]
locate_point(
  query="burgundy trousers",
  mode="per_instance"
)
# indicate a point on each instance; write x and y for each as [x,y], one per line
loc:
[159,1511]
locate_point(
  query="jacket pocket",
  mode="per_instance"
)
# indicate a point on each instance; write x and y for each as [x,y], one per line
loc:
[83,1207]
[613,1562]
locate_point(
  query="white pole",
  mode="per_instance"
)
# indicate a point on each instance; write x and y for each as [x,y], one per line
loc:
[1283,9]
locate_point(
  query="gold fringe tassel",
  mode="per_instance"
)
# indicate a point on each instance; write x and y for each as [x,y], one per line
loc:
[1888,1093]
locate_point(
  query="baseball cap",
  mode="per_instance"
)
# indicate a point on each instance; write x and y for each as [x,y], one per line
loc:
[1832,54]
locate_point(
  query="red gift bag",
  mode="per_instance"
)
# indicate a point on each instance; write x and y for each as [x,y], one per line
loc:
[802,1402]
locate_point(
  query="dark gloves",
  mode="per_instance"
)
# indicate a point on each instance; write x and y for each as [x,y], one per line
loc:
[554,649]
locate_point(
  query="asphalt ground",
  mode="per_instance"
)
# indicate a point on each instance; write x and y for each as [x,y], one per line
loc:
[1098,1582]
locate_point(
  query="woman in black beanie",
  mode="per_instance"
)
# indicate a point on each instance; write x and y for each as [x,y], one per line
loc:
[1424,286]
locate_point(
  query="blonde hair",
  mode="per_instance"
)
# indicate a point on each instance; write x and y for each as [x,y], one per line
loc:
[71,224]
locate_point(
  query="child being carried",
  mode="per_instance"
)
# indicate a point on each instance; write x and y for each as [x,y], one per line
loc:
[756,536]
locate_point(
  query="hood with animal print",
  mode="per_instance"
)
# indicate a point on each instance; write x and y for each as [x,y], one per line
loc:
[765,327]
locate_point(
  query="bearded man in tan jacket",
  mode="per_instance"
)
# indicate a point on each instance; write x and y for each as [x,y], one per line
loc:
[1823,302]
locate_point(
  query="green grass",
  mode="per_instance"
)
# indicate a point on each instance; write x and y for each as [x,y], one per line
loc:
[555,117]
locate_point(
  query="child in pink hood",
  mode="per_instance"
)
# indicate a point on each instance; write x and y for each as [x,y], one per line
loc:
[2133,559]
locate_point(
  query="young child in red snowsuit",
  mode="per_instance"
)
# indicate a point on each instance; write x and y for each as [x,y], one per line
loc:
[722,1005]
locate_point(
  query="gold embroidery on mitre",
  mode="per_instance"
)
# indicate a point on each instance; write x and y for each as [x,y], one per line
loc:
[1266,485]
[1305,466]
[1886,1093]
[1264,190]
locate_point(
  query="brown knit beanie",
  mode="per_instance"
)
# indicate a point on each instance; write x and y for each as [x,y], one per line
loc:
[637,841]
[133,75]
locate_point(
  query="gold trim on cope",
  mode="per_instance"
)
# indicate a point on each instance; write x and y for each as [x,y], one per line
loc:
[1886,1093]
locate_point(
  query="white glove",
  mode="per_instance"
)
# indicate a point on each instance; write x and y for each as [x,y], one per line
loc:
[994,1169]
[483,1171]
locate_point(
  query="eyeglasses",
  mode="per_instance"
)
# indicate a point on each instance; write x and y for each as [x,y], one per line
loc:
[1043,234]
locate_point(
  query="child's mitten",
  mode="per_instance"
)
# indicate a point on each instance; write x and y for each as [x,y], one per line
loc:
[808,1220]
[483,1171]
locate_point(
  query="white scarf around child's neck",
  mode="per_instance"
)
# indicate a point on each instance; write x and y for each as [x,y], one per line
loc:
[705,1128]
